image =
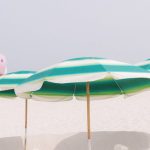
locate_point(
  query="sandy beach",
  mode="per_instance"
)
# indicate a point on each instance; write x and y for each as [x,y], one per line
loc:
[51,124]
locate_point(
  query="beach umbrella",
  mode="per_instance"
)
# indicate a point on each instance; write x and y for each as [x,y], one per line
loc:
[7,84]
[145,64]
[87,78]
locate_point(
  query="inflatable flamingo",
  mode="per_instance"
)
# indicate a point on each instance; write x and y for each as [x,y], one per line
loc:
[3,65]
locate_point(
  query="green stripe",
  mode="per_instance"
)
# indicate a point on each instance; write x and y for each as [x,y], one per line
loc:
[7,94]
[22,72]
[6,80]
[11,81]
[147,66]
[84,70]
[134,85]
[83,58]
[97,88]
[55,89]
[100,87]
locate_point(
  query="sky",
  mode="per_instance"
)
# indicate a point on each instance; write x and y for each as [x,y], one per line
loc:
[35,34]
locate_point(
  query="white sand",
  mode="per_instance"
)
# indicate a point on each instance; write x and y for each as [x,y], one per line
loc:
[54,121]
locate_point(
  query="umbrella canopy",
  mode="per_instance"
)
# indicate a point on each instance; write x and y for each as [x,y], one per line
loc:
[9,81]
[107,77]
[145,64]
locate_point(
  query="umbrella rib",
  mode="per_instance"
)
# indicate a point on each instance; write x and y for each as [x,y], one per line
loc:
[75,86]
[122,91]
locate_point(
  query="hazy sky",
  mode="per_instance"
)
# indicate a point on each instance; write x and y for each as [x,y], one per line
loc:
[37,33]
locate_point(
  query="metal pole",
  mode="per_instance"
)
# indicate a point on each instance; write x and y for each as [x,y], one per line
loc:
[88,115]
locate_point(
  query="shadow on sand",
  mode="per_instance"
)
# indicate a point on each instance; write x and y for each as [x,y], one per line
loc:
[107,140]
[11,143]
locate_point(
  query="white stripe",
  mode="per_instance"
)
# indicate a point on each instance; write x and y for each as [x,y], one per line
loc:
[47,68]
[15,76]
[77,78]
[90,62]
[95,76]
[98,97]
[52,98]
[33,86]
[124,75]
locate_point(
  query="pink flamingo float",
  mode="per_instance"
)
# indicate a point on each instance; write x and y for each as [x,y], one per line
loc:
[3,65]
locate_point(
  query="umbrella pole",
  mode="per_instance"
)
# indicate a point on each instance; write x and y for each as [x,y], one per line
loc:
[26,123]
[88,115]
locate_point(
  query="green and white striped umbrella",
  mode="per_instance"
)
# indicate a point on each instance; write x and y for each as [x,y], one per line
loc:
[80,70]
[145,64]
[85,78]
[7,84]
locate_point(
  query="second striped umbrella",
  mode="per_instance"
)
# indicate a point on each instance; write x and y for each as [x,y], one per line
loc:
[7,84]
